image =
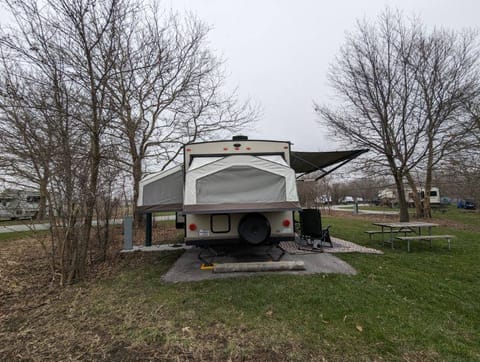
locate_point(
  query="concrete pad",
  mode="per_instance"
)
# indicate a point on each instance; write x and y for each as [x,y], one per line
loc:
[187,266]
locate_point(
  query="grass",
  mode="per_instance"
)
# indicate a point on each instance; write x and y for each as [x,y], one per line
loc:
[415,306]
[419,305]
[466,217]
[401,305]
[19,235]
[164,213]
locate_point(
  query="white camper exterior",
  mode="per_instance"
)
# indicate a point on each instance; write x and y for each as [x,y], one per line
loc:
[230,191]
[235,190]
[227,182]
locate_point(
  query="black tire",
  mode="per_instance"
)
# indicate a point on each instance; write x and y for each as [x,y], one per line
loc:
[254,228]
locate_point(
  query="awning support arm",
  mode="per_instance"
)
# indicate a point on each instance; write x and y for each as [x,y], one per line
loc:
[335,168]
[311,164]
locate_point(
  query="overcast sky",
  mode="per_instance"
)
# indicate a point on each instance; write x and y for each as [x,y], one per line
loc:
[278,52]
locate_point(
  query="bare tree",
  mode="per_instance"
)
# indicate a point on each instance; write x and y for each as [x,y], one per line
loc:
[445,65]
[460,172]
[167,91]
[308,193]
[25,135]
[378,94]
[72,44]
[91,89]
[402,91]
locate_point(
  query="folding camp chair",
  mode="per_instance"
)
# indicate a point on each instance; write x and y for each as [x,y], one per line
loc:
[311,228]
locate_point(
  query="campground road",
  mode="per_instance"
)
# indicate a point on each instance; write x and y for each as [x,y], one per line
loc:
[28,226]
[349,207]
[23,227]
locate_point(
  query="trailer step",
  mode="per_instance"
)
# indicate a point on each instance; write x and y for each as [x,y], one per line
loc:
[258,266]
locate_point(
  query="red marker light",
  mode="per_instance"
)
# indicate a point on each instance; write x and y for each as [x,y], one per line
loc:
[285,147]
[237,148]
[189,149]
[286,223]
[248,148]
[192,227]
[225,148]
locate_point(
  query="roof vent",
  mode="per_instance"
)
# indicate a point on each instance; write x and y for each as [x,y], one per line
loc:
[240,138]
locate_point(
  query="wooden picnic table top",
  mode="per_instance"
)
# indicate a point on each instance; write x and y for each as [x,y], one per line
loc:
[409,224]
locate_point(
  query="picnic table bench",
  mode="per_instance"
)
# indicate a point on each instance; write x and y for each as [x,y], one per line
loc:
[426,238]
[391,228]
[393,231]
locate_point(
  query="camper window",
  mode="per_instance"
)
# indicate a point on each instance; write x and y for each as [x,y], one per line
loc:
[220,223]
[433,193]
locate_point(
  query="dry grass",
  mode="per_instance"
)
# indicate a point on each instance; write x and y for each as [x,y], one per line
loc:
[40,321]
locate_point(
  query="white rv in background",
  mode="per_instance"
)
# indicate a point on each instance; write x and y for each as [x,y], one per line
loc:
[19,204]
[434,195]
[389,195]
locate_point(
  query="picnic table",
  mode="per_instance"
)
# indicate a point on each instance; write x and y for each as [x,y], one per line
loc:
[415,227]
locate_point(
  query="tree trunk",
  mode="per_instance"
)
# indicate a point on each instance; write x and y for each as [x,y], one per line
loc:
[91,200]
[137,176]
[42,206]
[402,201]
[427,211]
[416,196]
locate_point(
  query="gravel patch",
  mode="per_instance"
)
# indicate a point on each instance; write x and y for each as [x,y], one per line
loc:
[339,246]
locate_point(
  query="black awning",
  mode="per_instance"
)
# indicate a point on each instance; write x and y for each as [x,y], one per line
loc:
[307,162]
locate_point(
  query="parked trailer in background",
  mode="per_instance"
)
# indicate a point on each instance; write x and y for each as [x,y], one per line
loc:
[236,191]
[434,195]
[389,195]
[19,204]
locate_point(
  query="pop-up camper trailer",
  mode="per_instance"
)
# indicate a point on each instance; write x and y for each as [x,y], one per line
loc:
[235,191]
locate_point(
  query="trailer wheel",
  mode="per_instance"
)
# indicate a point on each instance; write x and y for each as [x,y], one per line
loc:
[254,228]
